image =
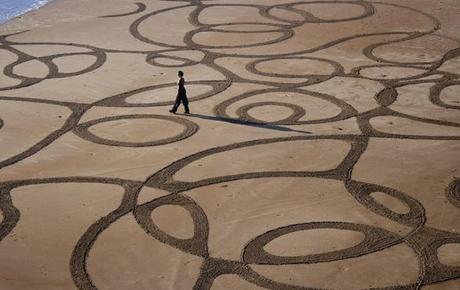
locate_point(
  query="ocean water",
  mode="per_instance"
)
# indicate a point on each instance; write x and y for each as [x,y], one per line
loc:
[12,8]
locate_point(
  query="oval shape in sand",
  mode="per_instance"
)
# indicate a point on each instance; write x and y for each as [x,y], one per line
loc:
[125,130]
[451,95]
[390,202]
[31,69]
[174,220]
[314,241]
[449,254]
[310,155]
[390,72]
[285,66]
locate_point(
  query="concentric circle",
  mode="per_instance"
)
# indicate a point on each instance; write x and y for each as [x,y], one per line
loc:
[297,112]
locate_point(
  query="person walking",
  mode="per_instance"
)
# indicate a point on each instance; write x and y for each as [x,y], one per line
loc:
[181,94]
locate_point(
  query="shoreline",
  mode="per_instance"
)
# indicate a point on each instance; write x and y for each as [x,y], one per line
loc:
[27,10]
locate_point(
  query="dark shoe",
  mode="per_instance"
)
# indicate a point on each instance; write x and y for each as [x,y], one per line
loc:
[172,111]
[187,112]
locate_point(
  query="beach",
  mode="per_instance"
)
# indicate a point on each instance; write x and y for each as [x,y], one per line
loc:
[321,152]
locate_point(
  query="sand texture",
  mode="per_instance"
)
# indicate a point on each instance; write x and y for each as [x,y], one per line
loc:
[322,150]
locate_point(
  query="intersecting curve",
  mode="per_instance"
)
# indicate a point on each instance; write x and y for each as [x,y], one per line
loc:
[423,240]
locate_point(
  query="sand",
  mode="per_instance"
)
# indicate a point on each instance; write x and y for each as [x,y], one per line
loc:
[322,152]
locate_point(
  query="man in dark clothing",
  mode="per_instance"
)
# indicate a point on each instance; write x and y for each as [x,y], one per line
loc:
[181,94]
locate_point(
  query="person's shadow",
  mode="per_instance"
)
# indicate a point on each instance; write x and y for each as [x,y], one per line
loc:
[246,123]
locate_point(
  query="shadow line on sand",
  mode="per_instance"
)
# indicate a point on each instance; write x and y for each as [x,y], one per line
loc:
[245,123]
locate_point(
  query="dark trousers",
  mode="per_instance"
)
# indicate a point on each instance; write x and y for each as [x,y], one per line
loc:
[181,97]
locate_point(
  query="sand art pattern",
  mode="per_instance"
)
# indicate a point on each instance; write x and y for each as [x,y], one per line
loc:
[256,45]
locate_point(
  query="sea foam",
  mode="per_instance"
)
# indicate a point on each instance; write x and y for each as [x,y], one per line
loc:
[13,8]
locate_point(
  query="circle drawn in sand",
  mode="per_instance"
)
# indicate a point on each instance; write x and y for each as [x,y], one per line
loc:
[83,130]
[339,109]
[283,67]
[297,112]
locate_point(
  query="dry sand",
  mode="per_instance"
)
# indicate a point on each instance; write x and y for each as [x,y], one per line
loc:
[323,148]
